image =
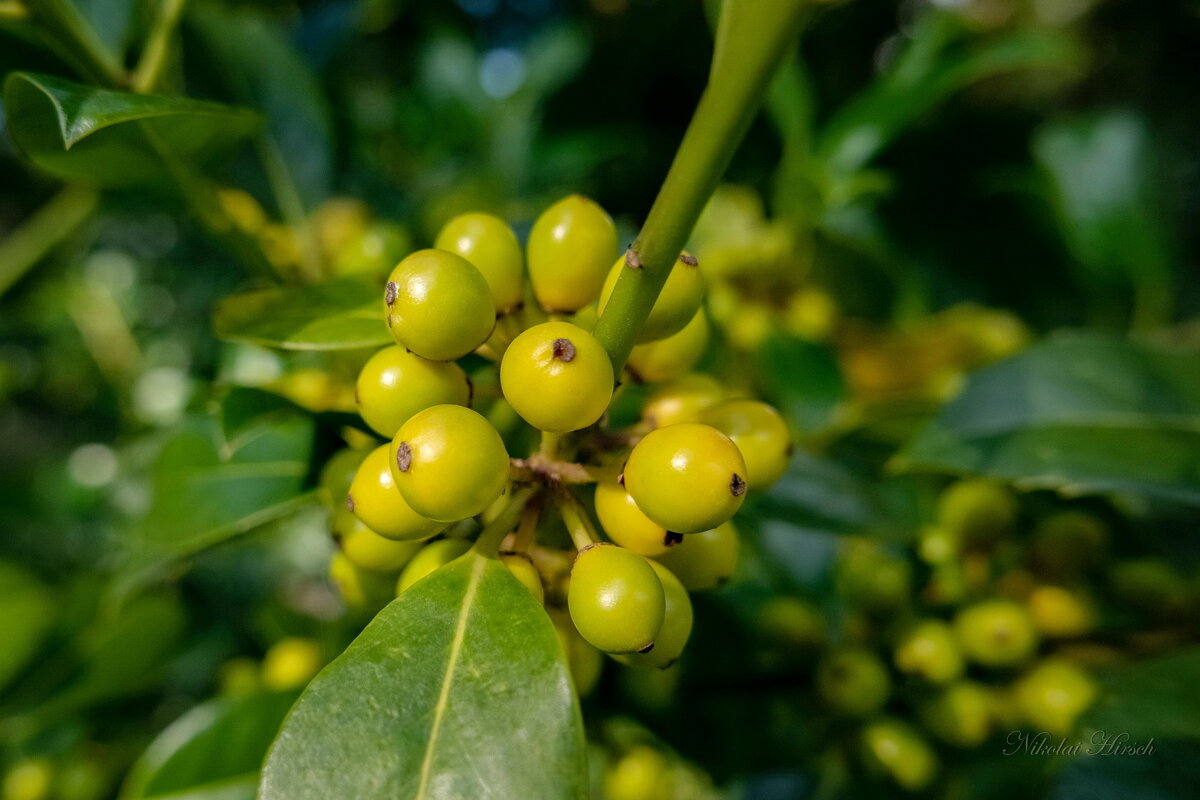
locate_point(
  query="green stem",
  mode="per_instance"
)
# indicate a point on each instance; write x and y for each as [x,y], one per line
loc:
[158,45]
[752,37]
[48,226]
[583,533]
[488,543]
[74,38]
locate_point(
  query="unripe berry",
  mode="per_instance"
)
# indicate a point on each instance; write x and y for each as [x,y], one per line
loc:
[569,250]
[1053,694]
[373,251]
[366,548]
[676,626]
[929,650]
[360,588]
[977,510]
[394,384]
[760,434]
[557,377]
[374,499]
[626,525]
[640,774]
[432,557]
[586,662]
[1068,543]
[853,682]
[672,357]
[791,622]
[488,243]
[339,471]
[291,663]
[616,599]
[687,477]
[875,580]
[449,463]
[675,305]
[1060,613]
[682,400]
[892,747]
[960,715]
[996,633]
[704,560]
[523,570]
[438,305]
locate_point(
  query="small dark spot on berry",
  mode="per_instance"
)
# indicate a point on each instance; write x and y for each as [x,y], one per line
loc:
[647,648]
[690,260]
[390,292]
[672,538]
[632,259]
[737,486]
[350,503]
[403,457]
[563,350]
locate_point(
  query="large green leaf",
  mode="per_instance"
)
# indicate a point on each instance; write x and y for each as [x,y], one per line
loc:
[213,752]
[28,609]
[458,689]
[344,314]
[109,138]
[1078,413]
[1157,698]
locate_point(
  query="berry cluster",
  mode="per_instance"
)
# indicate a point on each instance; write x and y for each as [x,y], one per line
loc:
[663,488]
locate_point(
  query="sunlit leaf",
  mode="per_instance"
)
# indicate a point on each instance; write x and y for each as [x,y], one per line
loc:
[344,314]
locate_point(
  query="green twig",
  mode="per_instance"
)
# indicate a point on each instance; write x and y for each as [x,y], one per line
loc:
[48,226]
[583,532]
[752,37]
[158,45]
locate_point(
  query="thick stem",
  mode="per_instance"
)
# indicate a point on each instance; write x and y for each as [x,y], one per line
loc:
[583,533]
[752,38]
[48,226]
[158,45]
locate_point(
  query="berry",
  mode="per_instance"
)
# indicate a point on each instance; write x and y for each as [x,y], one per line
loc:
[616,599]
[449,463]
[675,305]
[672,357]
[894,748]
[374,499]
[640,774]
[438,305]
[523,570]
[853,682]
[586,662]
[291,663]
[977,510]
[488,243]
[682,400]
[29,779]
[339,471]
[996,633]
[872,579]
[760,434]
[373,251]
[960,715]
[367,549]
[1053,695]
[704,560]
[930,651]
[791,622]
[360,588]
[431,558]
[1068,543]
[687,477]
[570,247]
[1060,613]
[557,377]
[626,525]
[676,626]
[394,384]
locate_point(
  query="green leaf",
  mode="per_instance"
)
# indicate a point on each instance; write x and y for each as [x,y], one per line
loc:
[1078,413]
[29,610]
[457,689]
[1158,698]
[213,751]
[344,314]
[111,19]
[81,133]
[802,378]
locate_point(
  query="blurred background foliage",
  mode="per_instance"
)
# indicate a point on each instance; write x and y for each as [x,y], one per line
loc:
[932,186]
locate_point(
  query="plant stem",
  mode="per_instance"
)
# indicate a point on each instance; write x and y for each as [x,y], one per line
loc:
[752,37]
[158,45]
[488,543]
[73,37]
[583,533]
[48,226]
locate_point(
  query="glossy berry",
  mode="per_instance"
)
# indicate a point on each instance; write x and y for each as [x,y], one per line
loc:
[853,682]
[960,714]
[373,251]
[432,557]
[570,248]
[374,499]
[687,477]
[672,357]
[895,749]
[682,400]
[339,471]
[676,626]
[704,560]
[367,549]
[1053,695]
[449,462]
[643,773]
[360,588]
[676,304]
[557,377]
[291,663]
[616,599]
[394,384]
[586,662]
[760,434]
[523,570]
[438,305]
[929,650]
[977,510]
[488,243]
[626,525]
[996,633]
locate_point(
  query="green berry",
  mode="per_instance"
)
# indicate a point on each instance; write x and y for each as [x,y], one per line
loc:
[586,662]
[626,525]
[372,251]
[1068,543]
[557,377]
[874,580]
[894,748]
[676,304]
[616,599]
[760,434]
[676,626]
[996,633]
[1053,695]
[704,560]
[570,247]
[682,400]
[431,558]
[977,510]
[374,499]
[394,384]
[367,549]
[672,357]
[339,472]
[791,622]
[360,588]
[291,663]
[687,477]
[640,774]
[853,682]
[1060,613]
[488,243]
[522,568]
[438,305]
[960,714]
[930,650]
[449,463]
